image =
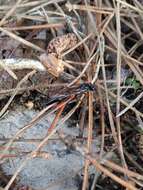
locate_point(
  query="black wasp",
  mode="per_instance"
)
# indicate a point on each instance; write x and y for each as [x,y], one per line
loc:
[67,92]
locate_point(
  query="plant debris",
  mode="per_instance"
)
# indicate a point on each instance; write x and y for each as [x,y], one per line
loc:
[80,63]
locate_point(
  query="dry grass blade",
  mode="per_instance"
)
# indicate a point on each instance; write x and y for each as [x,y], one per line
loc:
[89,140]
[90,112]
[118,83]
[6,68]
[108,173]
[102,119]
[83,71]
[22,5]
[118,168]
[129,58]
[37,27]
[15,92]
[107,94]
[130,105]
[23,41]
[43,3]
[89,8]
[10,12]
[130,6]
[123,102]
[112,38]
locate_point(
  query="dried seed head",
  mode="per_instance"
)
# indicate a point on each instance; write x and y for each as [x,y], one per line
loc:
[52,64]
[62,43]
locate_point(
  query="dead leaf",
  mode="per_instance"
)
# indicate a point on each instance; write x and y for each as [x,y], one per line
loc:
[53,64]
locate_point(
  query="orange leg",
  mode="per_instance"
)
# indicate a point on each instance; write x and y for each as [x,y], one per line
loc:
[61,106]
